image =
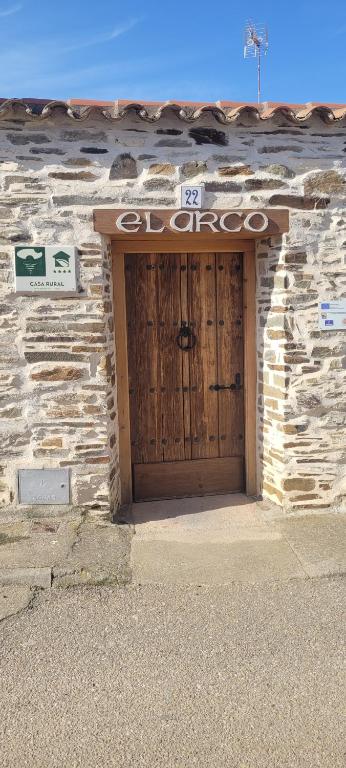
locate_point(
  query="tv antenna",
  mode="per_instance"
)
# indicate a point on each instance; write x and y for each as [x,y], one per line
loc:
[256,46]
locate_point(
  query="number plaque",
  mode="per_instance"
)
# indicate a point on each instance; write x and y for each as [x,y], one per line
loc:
[191,197]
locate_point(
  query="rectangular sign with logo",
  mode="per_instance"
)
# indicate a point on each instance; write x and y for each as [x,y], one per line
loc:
[332,315]
[43,269]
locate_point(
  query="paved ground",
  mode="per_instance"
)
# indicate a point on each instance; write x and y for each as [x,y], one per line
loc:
[236,676]
[221,539]
[211,540]
[218,640]
[63,548]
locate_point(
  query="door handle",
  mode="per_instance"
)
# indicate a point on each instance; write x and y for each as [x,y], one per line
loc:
[186,339]
[218,387]
[234,386]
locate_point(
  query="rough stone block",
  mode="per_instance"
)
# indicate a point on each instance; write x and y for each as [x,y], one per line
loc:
[277,169]
[193,168]
[178,143]
[123,167]
[84,135]
[73,175]
[299,484]
[328,182]
[94,150]
[275,149]
[157,184]
[20,139]
[252,184]
[305,203]
[166,169]
[169,131]
[61,373]
[235,170]
[208,136]
[47,151]
[296,258]
[222,186]
[78,162]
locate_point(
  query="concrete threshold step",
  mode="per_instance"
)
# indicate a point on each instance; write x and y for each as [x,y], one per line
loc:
[30,577]
[174,562]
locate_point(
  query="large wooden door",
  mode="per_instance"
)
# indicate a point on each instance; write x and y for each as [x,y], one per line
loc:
[186,405]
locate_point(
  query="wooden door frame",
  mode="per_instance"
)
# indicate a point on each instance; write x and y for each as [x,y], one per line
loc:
[182,244]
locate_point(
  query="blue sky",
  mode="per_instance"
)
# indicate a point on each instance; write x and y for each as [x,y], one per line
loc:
[162,50]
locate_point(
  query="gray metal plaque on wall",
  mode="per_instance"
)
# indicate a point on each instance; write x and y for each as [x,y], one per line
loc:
[44,486]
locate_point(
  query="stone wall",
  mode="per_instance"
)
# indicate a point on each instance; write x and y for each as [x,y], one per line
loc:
[57,368]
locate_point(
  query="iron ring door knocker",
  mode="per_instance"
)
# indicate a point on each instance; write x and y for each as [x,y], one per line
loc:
[186,339]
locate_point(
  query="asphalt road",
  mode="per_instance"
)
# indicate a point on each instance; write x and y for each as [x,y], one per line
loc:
[240,676]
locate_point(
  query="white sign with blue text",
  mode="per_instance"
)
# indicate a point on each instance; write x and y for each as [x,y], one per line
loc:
[332,315]
[192,196]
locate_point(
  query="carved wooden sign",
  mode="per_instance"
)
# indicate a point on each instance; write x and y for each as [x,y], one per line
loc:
[240,222]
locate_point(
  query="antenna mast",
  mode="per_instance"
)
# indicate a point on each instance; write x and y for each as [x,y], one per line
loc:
[256,46]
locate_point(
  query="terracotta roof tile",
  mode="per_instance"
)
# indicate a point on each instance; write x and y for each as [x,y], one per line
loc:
[187,111]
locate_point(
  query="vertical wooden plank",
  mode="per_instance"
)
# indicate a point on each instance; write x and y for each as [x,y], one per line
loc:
[250,367]
[229,292]
[131,315]
[120,336]
[171,358]
[149,396]
[144,369]
[155,362]
[185,355]
[203,358]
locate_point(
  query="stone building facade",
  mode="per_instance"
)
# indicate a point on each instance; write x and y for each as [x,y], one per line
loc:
[58,163]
